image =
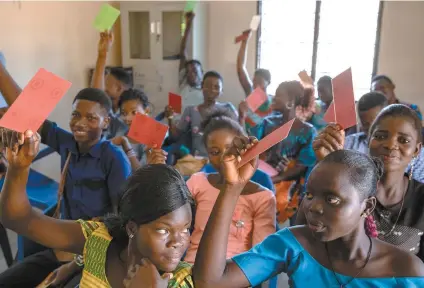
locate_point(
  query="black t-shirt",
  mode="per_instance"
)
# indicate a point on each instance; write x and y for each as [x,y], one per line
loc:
[409,229]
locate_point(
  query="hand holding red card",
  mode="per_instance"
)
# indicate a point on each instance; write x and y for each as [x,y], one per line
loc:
[244,36]
[36,102]
[147,131]
[270,140]
[305,78]
[256,99]
[342,110]
[175,102]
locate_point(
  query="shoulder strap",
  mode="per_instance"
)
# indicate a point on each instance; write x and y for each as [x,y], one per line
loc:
[62,186]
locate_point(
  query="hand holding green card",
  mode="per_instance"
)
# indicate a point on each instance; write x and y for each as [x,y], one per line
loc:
[106,18]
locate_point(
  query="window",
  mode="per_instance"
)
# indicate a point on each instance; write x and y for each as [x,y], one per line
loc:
[321,37]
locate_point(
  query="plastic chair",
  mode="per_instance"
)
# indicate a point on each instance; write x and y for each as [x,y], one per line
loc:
[259,177]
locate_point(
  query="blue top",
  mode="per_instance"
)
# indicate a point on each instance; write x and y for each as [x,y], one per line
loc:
[94,179]
[281,252]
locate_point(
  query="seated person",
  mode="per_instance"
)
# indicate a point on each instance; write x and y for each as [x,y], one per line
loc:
[254,216]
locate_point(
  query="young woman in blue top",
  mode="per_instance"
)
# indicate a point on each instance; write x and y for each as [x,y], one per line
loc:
[333,250]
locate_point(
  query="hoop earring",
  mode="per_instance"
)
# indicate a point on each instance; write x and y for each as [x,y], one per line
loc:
[289,107]
[411,172]
[130,237]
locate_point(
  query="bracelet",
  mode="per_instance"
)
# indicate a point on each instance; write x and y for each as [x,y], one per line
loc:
[79,260]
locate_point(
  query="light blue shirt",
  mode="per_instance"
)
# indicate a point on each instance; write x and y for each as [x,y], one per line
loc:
[282,253]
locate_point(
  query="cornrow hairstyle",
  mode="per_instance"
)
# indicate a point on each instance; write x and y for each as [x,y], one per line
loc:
[150,192]
[371,100]
[402,111]
[134,94]
[364,172]
[220,119]
[95,95]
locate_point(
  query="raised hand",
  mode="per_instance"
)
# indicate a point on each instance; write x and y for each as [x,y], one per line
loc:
[145,275]
[243,109]
[189,16]
[156,156]
[21,148]
[169,112]
[247,34]
[105,42]
[234,175]
[330,139]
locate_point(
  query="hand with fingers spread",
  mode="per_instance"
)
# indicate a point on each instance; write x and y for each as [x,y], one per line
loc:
[156,156]
[234,175]
[105,42]
[21,148]
[145,275]
[329,140]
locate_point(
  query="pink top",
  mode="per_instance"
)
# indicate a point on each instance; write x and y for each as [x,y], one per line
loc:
[253,218]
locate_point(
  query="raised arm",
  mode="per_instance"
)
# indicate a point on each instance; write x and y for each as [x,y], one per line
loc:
[242,73]
[189,16]
[8,87]
[105,43]
[211,268]
[16,212]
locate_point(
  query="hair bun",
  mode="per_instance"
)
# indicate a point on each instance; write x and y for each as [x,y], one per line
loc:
[217,113]
[379,167]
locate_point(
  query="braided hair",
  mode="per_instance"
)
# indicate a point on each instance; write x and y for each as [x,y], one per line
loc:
[150,192]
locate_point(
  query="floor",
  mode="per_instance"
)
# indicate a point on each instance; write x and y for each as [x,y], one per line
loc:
[282,279]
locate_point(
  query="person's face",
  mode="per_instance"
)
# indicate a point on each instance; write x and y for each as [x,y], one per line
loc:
[194,74]
[367,117]
[114,88]
[165,240]
[395,141]
[332,205]
[281,100]
[384,87]
[212,89]
[325,91]
[88,120]
[259,81]
[129,109]
[217,143]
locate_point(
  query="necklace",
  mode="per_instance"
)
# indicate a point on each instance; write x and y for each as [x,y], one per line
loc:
[398,216]
[360,270]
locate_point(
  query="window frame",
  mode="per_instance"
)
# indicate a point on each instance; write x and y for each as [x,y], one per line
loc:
[316,36]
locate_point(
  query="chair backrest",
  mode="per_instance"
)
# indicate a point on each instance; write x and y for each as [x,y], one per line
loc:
[259,177]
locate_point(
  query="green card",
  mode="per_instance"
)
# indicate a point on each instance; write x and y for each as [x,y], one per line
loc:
[106,18]
[190,5]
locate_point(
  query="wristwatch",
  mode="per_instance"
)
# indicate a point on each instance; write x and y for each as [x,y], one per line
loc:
[79,260]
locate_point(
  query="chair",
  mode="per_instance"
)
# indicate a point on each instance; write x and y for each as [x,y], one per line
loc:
[42,194]
[259,177]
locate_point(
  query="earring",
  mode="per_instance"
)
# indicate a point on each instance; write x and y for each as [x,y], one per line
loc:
[411,172]
[364,215]
[289,107]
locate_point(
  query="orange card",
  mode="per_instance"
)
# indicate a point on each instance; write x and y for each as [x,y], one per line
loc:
[270,140]
[36,102]
[242,37]
[256,99]
[342,110]
[147,131]
[305,78]
[175,102]
[268,169]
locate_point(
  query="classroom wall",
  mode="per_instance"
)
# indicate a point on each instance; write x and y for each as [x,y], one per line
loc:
[59,37]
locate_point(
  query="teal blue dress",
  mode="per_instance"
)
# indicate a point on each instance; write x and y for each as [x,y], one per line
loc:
[282,253]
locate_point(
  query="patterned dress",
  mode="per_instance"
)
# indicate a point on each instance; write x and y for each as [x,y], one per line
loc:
[95,251]
[255,119]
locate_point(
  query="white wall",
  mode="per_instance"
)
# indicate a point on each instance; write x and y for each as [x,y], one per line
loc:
[57,36]
[402,48]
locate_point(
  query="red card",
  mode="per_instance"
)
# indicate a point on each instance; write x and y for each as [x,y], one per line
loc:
[268,169]
[147,131]
[242,37]
[342,110]
[256,99]
[305,78]
[270,140]
[36,102]
[175,102]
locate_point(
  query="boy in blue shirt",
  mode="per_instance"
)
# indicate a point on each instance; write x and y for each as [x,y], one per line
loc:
[93,171]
